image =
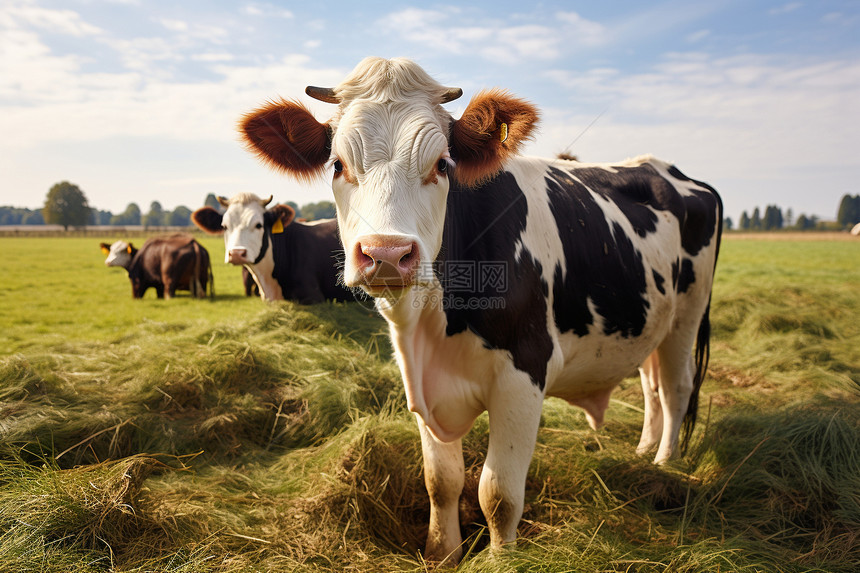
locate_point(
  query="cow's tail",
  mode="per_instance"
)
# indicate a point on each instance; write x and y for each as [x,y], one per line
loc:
[702,352]
[702,355]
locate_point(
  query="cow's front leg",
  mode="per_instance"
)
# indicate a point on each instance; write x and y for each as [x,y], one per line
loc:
[514,409]
[443,475]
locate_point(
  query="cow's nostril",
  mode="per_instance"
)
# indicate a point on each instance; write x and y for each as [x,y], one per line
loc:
[406,257]
[365,260]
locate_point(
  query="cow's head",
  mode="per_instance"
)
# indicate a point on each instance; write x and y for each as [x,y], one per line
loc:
[119,254]
[394,152]
[244,225]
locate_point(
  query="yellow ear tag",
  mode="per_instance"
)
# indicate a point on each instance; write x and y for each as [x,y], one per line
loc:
[128,249]
[277,227]
[105,250]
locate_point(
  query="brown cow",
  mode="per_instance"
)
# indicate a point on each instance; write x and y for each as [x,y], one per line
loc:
[168,263]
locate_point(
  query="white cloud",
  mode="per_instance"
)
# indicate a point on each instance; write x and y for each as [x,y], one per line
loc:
[56,21]
[583,31]
[494,40]
[267,10]
[698,36]
[29,74]
[213,57]
[174,25]
[785,8]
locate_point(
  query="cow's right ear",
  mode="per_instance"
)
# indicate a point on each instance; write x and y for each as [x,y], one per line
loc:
[287,137]
[208,219]
[279,217]
[105,248]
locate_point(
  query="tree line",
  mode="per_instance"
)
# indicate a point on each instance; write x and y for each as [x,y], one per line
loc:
[773,218]
[67,205]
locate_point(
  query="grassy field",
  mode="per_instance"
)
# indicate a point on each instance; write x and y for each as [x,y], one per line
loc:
[231,435]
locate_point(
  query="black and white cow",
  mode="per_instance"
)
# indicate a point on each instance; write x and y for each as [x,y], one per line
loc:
[288,259]
[505,279]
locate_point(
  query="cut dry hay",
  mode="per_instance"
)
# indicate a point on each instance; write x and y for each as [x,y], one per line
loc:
[281,442]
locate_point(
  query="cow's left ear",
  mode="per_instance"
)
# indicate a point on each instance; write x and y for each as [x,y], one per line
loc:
[279,217]
[490,131]
[105,248]
[286,136]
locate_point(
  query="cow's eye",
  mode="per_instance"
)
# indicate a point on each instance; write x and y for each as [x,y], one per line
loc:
[258,226]
[442,165]
[338,166]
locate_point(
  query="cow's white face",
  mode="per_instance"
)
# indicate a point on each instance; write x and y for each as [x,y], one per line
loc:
[119,255]
[389,143]
[390,185]
[244,227]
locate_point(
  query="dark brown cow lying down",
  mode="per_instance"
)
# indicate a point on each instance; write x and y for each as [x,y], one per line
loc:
[168,264]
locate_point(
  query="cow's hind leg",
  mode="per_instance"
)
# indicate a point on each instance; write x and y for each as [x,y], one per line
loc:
[675,386]
[443,475]
[652,425]
[514,409]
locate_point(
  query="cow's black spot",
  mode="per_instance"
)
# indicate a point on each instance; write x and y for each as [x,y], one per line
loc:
[676,268]
[601,264]
[702,208]
[482,226]
[658,281]
[686,277]
[640,191]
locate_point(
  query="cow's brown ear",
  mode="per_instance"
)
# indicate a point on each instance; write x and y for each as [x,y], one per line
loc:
[105,248]
[490,131]
[279,217]
[208,219]
[287,137]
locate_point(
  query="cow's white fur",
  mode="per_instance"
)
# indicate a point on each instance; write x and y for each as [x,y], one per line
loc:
[243,229]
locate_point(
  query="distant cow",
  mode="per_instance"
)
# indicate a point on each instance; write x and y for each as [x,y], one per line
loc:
[505,279]
[288,259]
[168,264]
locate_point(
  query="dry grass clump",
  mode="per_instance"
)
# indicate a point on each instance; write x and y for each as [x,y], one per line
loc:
[93,508]
[791,478]
[225,390]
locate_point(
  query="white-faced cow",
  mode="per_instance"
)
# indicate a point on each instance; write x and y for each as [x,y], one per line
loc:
[288,259]
[505,279]
[168,264]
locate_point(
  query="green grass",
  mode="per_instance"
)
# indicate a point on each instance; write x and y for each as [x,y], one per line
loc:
[233,435]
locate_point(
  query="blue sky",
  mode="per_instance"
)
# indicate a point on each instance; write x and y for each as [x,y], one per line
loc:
[136,100]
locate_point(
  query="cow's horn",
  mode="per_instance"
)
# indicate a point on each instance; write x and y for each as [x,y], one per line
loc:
[323,94]
[223,201]
[265,202]
[451,94]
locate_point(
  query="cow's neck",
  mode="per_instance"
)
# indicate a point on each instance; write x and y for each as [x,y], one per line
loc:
[264,275]
[440,380]
[285,253]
